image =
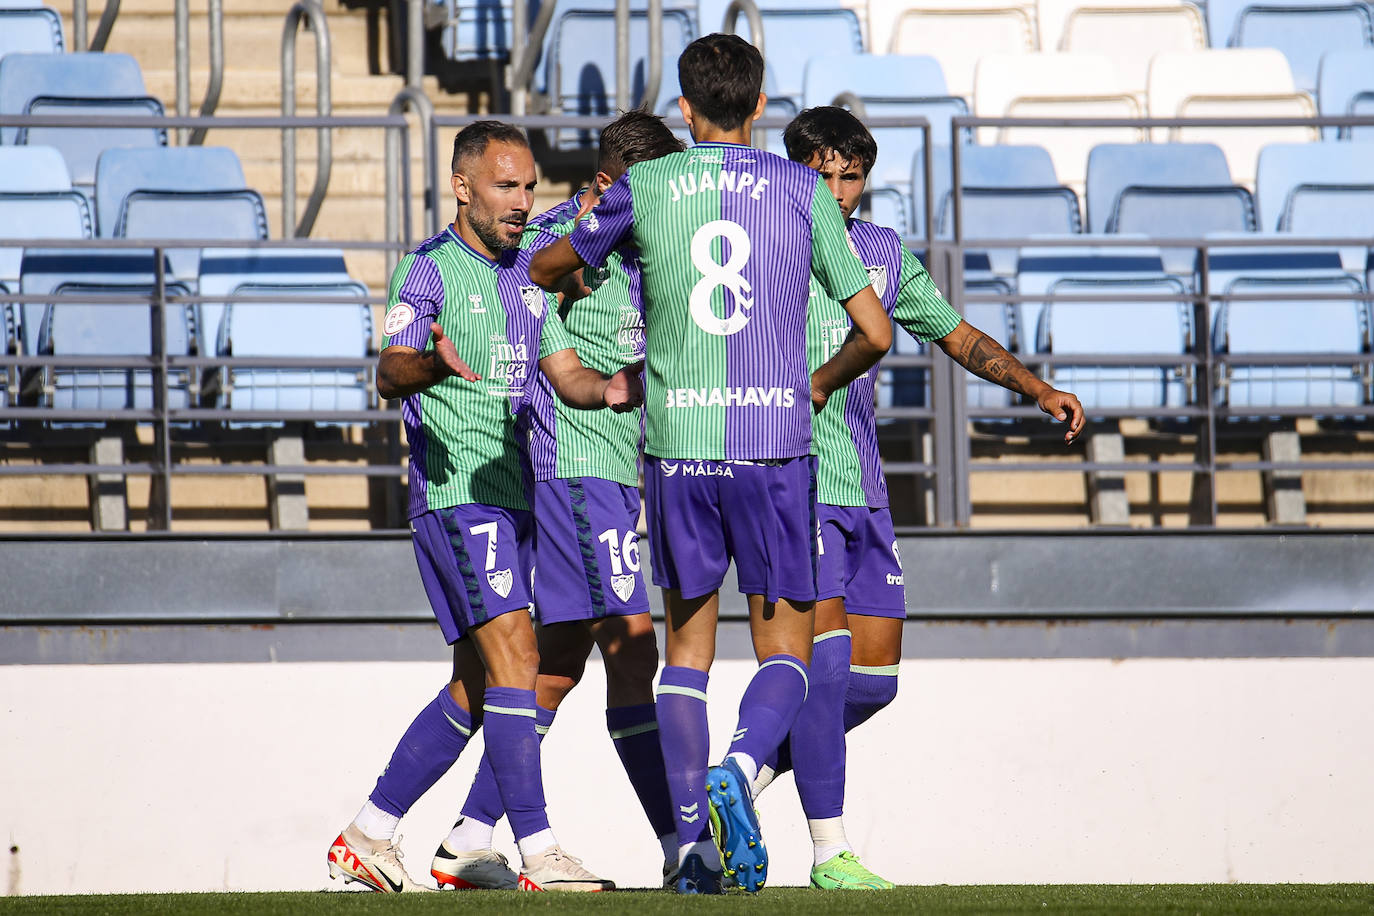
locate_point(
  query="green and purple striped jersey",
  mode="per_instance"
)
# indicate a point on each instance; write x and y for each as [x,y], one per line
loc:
[849,472]
[607,328]
[462,434]
[728,238]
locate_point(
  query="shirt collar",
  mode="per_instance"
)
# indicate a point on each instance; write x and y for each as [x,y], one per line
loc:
[458,240]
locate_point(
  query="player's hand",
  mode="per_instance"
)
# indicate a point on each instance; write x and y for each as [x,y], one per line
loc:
[818,400]
[624,392]
[1063,405]
[447,355]
[573,288]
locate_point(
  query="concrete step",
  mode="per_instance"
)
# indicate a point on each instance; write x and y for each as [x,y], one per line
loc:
[350,94]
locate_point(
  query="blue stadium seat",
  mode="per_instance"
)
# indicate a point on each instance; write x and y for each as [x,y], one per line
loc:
[1299,325]
[875,75]
[36,201]
[1113,167]
[942,175]
[999,320]
[85,327]
[291,325]
[77,84]
[1119,328]
[1345,86]
[177,192]
[796,33]
[888,207]
[1303,32]
[1283,167]
[1184,212]
[1329,210]
[30,29]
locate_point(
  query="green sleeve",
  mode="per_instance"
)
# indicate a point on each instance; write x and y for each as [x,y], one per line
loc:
[554,336]
[921,310]
[833,261]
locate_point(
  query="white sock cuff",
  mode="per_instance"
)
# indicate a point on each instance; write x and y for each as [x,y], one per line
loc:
[375,823]
[536,842]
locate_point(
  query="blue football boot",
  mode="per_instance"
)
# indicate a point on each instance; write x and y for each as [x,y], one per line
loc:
[694,877]
[741,842]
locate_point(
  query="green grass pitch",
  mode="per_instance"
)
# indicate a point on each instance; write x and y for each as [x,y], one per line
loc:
[1173,899]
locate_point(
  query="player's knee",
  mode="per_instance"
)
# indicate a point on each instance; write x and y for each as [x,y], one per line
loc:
[631,665]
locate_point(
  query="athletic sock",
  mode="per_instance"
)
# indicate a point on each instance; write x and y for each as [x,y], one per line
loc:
[634,732]
[513,745]
[827,838]
[668,842]
[426,751]
[536,842]
[685,741]
[869,690]
[817,737]
[483,807]
[375,823]
[768,709]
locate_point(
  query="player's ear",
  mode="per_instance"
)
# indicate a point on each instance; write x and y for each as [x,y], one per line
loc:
[687,115]
[603,183]
[459,182]
[758,111]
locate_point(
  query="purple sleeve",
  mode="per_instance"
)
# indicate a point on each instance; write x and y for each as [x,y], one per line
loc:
[607,227]
[414,303]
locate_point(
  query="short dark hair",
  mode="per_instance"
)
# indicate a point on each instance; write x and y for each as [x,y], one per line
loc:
[829,128]
[474,139]
[721,77]
[635,136]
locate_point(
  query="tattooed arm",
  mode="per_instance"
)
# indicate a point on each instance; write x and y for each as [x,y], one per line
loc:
[987,359]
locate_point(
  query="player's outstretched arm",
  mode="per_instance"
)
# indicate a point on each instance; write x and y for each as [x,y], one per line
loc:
[868,340]
[552,264]
[578,386]
[403,371]
[987,359]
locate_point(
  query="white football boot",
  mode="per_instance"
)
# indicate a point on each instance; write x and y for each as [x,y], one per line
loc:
[476,869]
[375,863]
[555,870]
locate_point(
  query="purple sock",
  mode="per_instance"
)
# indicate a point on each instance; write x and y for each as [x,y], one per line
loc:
[509,717]
[634,731]
[426,751]
[817,739]
[484,798]
[770,705]
[869,690]
[685,740]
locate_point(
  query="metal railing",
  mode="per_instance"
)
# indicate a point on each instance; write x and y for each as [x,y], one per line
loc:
[215,16]
[313,14]
[750,11]
[102,29]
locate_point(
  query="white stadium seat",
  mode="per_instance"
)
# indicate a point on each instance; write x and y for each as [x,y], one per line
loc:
[957,37]
[1134,35]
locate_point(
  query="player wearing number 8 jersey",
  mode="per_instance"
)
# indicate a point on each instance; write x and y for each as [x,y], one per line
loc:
[729,237]
[588,587]
[468,292]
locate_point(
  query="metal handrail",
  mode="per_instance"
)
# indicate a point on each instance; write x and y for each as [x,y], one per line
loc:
[525,51]
[102,29]
[415,43]
[398,218]
[216,82]
[311,11]
[750,9]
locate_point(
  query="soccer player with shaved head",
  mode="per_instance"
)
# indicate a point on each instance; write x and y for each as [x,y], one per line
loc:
[729,237]
[588,587]
[465,334]
[861,605]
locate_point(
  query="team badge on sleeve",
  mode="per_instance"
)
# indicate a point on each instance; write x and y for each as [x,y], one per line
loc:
[877,275]
[398,318]
[534,300]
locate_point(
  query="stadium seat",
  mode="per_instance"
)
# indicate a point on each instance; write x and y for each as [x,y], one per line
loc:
[795,34]
[871,76]
[177,192]
[1119,328]
[1304,32]
[1285,167]
[1345,86]
[1237,82]
[1133,35]
[943,181]
[888,207]
[479,30]
[1186,212]
[1113,167]
[30,29]
[1298,325]
[1055,85]
[36,201]
[86,327]
[89,84]
[289,325]
[999,321]
[957,37]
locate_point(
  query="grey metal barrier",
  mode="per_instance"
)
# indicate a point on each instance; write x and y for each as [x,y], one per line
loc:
[313,13]
[215,15]
[750,11]
[102,29]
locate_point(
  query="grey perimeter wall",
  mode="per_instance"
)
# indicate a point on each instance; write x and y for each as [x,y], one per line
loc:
[983,595]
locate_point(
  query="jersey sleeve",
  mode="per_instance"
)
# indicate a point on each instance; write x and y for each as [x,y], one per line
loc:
[608,226]
[554,336]
[413,302]
[833,261]
[921,310]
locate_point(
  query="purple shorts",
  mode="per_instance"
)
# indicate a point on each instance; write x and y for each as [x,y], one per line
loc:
[703,514]
[475,563]
[586,550]
[858,560]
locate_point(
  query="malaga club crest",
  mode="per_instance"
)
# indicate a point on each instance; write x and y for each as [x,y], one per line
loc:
[534,300]
[500,581]
[877,275]
[623,586]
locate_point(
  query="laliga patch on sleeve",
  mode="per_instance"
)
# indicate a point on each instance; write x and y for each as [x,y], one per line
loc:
[397,319]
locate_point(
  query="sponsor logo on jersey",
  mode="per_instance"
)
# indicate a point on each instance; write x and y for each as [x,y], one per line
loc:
[508,367]
[877,275]
[500,581]
[630,337]
[623,586]
[690,183]
[695,469]
[533,297]
[398,318]
[750,396]
[591,222]
[475,306]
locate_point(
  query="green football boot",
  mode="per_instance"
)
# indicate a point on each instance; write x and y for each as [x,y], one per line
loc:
[844,872]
